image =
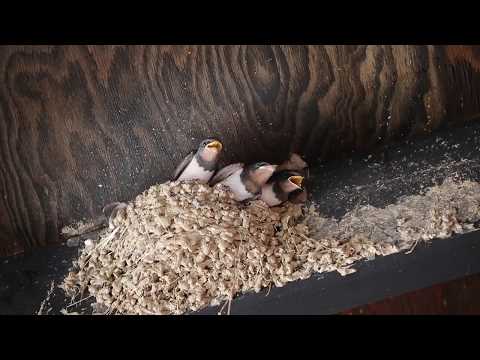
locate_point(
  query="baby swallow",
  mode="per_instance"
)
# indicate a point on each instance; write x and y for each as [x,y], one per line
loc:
[296,163]
[244,181]
[278,188]
[201,164]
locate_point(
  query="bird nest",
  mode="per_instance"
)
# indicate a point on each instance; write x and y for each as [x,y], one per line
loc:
[179,247]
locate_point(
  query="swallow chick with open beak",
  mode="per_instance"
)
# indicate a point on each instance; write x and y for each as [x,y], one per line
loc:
[279,187]
[244,181]
[297,164]
[200,164]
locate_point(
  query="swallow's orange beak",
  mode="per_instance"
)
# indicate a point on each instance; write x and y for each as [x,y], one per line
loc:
[216,145]
[297,180]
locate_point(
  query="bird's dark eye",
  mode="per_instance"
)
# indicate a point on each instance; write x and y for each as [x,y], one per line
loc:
[260,164]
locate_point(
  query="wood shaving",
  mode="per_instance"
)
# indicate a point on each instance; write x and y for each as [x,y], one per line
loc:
[180,247]
[78,228]
[65,312]
[46,300]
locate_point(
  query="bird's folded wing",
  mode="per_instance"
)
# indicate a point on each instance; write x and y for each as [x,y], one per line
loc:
[283,175]
[183,165]
[225,173]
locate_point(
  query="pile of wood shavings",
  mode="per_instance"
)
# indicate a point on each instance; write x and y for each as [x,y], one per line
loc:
[182,246]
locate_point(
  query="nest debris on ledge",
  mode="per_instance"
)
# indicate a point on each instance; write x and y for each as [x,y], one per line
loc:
[179,247]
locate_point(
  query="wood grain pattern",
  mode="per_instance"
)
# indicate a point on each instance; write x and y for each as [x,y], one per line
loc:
[458,297]
[81,126]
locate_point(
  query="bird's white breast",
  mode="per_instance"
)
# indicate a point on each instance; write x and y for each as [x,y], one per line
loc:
[268,195]
[194,171]
[235,184]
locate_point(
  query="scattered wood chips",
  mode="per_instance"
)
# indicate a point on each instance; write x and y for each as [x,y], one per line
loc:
[179,247]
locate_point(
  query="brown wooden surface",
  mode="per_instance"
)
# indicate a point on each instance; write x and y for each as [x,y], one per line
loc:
[458,297]
[81,126]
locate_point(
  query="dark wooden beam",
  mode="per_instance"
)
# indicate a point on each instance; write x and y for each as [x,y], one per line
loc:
[458,297]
